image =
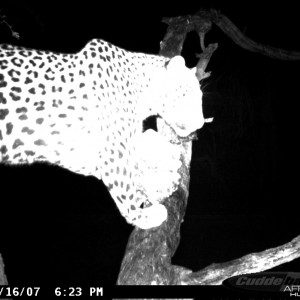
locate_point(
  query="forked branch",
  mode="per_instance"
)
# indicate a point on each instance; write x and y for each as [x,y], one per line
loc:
[148,256]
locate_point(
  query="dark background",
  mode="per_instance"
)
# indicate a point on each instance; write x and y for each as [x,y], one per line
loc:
[62,228]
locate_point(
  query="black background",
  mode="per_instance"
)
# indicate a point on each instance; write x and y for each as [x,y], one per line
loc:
[62,228]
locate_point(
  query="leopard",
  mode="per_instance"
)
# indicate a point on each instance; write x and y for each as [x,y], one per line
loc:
[85,112]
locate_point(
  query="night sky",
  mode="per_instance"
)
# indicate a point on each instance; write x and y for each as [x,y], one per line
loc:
[64,228]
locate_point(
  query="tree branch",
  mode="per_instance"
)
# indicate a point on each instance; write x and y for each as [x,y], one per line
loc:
[251,263]
[202,22]
[245,42]
[3,280]
[148,255]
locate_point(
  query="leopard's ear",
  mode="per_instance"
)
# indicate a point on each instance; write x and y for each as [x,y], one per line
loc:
[175,64]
